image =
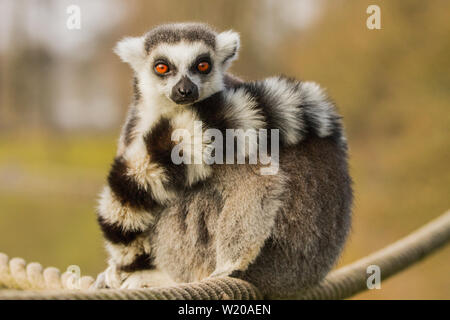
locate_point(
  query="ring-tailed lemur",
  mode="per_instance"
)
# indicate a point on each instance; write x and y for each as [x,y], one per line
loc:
[166,222]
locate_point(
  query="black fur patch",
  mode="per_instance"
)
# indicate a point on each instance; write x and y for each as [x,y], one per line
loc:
[141,262]
[126,189]
[173,33]
[231,81]
[265,103]
[159,146]
[268,106]
[202,230]
[264,107]
[115,233]
[211,112]
[129,127]
[275,119]
[231,55]
[237,274]
[312,126]
[136,91]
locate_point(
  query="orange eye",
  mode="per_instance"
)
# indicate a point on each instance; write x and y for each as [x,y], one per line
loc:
[161,68]
[203,66]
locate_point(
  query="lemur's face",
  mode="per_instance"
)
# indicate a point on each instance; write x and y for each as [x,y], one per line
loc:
[180,63]
[185,72]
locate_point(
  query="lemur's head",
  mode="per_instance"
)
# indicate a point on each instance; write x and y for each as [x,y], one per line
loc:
[180,63]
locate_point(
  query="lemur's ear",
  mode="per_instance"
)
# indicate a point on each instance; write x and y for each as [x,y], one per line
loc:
[228,43]
[132,51]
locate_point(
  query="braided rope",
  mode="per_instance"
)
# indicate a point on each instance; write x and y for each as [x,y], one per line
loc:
[340,284]
[16,274]
[224,288]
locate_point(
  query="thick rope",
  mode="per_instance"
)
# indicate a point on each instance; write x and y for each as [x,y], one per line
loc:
[352,279]
[340,284]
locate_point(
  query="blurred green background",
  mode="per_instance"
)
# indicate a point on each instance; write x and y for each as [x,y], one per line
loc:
[63,94]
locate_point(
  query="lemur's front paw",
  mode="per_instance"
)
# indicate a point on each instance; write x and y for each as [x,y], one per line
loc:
[110,278]
[100,282]
[146,279]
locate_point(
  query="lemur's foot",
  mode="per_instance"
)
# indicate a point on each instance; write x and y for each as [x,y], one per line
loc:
[110,278]
[99,282]
[146,279]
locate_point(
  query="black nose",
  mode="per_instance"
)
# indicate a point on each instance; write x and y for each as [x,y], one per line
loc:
[185,91]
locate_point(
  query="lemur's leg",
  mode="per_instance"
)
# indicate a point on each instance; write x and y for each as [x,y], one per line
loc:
[126,231]
[246,220]
[141,182]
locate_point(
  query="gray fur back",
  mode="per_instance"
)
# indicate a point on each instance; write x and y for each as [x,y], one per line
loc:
[309,231]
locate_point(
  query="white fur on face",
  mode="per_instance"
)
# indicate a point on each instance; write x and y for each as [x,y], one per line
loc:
[131,50]
[228,44]
[182,55]
[155,91]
